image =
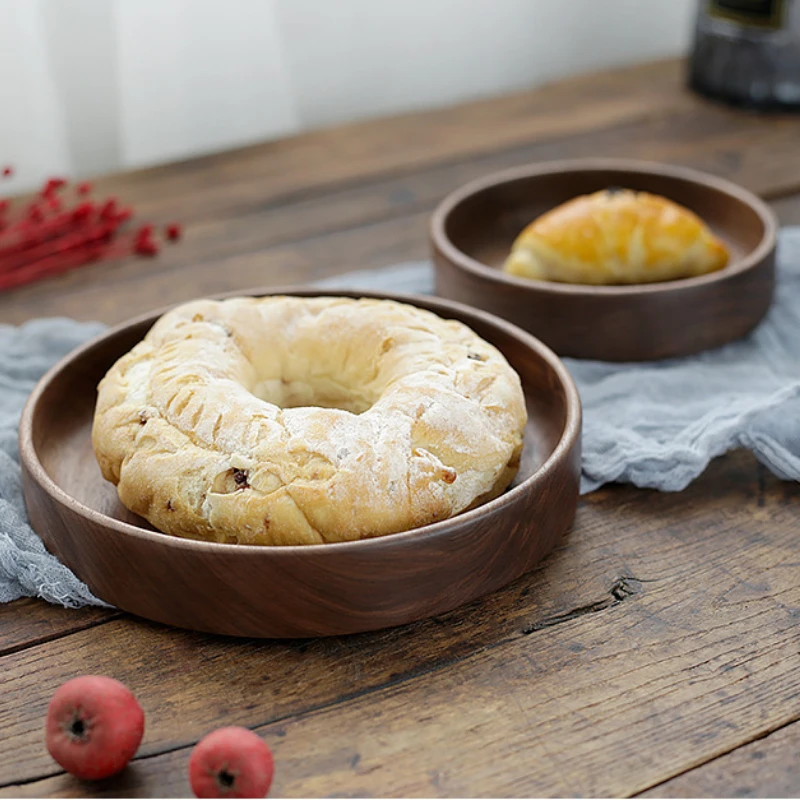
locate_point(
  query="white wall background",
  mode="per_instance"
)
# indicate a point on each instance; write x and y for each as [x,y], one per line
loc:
[92,86]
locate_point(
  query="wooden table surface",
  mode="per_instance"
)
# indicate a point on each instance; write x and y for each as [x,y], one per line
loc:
[655,653]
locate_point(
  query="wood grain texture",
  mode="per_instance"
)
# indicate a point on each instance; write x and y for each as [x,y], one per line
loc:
[253,181]
[28,621]
[659,636]
[285,170]
[767,767]
[660,633]
[473,230]
[189,682]
[249,230]
[134,290]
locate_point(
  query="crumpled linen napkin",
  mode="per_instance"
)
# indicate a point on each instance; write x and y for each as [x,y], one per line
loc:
[26,568]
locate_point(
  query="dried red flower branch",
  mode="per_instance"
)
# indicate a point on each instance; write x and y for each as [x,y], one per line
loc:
[173,231]
[53,185]
[55,233]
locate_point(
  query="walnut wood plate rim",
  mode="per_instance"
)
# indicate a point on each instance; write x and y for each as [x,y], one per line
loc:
[63,521]
[445,208]
[574,319]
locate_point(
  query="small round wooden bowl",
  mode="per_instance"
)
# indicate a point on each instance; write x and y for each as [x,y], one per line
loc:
[473,229]
[296,591]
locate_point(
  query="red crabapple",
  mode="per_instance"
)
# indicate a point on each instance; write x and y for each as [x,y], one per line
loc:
[231,762]
[94,726]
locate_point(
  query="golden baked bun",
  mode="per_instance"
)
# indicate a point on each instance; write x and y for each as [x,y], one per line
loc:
[616,236]
[287,420]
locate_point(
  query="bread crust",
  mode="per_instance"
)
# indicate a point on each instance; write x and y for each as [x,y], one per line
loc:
[616,237]
[286,421]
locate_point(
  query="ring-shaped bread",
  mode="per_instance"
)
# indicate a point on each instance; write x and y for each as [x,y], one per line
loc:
[286,420]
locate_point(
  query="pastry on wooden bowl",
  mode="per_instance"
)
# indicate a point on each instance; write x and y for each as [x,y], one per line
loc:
[293,420]
[616,236]
[298,590]
[634,277]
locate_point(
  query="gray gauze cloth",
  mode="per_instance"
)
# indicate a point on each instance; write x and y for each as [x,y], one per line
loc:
[654,425]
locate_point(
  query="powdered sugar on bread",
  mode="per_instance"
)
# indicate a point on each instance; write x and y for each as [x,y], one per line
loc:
[289,420]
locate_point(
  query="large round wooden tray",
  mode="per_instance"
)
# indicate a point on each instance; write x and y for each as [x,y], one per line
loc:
[296,591]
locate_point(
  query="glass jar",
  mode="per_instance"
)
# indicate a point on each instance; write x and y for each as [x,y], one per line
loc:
[747,52]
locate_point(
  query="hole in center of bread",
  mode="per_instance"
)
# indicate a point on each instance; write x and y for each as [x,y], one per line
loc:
[321,393]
